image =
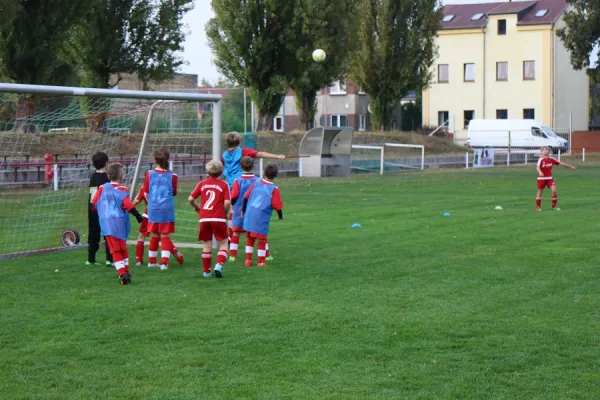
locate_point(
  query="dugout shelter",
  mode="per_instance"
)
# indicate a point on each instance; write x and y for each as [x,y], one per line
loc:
[326,152]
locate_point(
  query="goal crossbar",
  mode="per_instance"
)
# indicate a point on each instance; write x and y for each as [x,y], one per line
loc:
[410,146]
[371,147]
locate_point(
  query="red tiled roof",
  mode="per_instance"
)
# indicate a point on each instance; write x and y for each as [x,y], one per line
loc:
[526,11]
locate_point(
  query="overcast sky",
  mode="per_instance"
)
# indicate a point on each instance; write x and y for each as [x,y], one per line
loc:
[197,53]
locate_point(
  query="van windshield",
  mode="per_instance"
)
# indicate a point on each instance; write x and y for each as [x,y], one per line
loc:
[548,131]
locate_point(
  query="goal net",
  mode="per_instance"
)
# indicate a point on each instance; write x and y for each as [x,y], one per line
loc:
[387,158]
[48,136]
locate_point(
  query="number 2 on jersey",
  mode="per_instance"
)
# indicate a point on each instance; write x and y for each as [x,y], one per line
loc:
[211,199]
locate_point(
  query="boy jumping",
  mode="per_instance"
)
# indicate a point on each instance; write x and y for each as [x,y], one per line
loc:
[544,170]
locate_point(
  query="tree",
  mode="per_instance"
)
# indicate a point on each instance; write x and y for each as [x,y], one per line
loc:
[581,34]
[325,24]
[397,50]
[32,34]
[251,41]
[141,37]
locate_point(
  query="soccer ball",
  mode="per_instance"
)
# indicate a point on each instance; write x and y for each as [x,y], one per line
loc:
[319,55]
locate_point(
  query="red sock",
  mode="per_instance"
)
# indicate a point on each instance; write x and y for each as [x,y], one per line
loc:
[153,249]
[206,261]
[249,247]
[174,249]
[538,202]
[233,246]
[139,251]
[222,257]
[121,271]
[167,246]
[262,252]
[554,201]
[267,249]
[229,225]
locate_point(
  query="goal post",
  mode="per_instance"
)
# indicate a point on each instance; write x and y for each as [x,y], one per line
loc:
[367,158]
[403,158]
[48,135]
[387,158]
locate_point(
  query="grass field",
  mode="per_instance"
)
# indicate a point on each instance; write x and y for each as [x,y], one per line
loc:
[484,304]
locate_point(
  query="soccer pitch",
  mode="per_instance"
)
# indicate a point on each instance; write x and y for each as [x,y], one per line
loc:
[481,304]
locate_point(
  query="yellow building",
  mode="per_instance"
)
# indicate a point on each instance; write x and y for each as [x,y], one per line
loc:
[505,60]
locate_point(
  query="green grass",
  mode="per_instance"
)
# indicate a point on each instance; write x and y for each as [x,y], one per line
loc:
[484,304]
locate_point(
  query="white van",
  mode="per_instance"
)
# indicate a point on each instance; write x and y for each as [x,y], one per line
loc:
[524,133]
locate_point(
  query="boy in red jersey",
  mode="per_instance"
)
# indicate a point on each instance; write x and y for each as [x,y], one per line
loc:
[259,202]
[113,205]
[214,205]
[160,185]
[544,170]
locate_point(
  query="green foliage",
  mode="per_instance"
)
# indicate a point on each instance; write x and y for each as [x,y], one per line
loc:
[582,31]
[32,34]
[397,51]
[139,37]
[328,25]
[250,41]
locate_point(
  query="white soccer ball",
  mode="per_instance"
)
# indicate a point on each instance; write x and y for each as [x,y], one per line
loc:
[319,55]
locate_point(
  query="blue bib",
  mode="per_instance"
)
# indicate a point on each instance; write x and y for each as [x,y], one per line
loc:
[161,204]
[258,211]
[113,220]
[233,169]
[244,185]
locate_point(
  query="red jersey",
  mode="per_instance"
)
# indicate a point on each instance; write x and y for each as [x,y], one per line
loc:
[245,152]
[127,205]
[143,196]
[174,181]
[545,164]
[213,193]
[276,202]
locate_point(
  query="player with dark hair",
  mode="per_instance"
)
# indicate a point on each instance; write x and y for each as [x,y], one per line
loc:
[98,178]
[544,169]
[113,205]
[214,204]
[259,202]
[160,185]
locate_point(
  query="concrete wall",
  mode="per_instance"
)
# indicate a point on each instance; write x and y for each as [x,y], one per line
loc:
[179,81]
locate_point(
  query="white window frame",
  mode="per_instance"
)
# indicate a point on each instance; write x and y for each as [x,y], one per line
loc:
[361,91]
[469,67]
[339,120]
[362,122]
[338,88]
[275,123]
[526,70]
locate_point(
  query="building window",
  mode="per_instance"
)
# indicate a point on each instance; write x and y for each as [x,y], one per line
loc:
[338,87]
[528,113]
[501,114]
[501,71]
[443,117]
[468,116]
[443,73]
[469,72]
[529,70]
[448,18]
[501,27]
[362,122]
[338,121]
[207,106]
[278,124]
[394,123]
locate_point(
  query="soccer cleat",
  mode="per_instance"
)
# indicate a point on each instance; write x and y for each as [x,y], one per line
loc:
[151,265]
[109,264]
[139,263]
[219,271]
[263,264]
[179,257]
[269,258]
[91,263]
[232,259]
[248,263]
[538,209]
[556,209]
[207,274]
[125,279]
[163,267]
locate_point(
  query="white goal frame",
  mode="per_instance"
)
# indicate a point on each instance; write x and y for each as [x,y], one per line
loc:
[371,147]
[381,149]
[411,146]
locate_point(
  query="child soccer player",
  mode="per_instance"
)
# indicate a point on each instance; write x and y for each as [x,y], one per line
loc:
[232,157]
[214,204]
[240,187]
[113,203]
[259,202]
[160,185]
[544,170]
[97,179]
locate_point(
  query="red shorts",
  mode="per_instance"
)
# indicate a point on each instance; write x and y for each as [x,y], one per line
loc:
[238,229]
[161,227]
[208,229]
[542,183]
[256,235]
[118,248]
[144,227]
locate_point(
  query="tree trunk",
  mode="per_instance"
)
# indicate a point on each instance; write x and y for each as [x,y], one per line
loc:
[381,113]
[268,104]
[264,122]
[306,102]
[24,114]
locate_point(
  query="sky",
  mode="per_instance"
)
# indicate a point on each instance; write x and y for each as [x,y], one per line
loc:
[196,52]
